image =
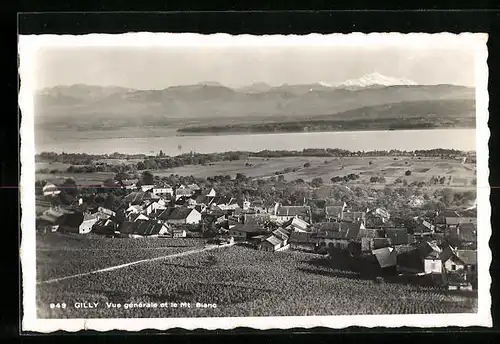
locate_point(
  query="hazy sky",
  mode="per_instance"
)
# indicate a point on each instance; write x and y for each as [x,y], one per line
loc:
[157,68]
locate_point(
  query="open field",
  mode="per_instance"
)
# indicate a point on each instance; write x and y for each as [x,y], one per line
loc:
[82,179]
[240,282]
[421,169]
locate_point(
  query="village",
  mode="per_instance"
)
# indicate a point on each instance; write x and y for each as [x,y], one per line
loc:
[440,250]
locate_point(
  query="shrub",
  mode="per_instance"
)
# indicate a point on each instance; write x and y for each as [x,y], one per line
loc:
[307,164]
[408,173]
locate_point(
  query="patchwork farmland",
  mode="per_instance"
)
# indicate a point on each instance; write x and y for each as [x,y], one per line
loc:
[307,168]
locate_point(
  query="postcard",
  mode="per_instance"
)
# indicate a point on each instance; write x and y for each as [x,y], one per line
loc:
[270,182]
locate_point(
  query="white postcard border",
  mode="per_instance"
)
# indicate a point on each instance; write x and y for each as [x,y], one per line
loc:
[28,46]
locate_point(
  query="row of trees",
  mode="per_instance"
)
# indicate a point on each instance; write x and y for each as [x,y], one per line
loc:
[197,158]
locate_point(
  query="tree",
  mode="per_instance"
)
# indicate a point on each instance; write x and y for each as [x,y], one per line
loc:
[408,173]
[140,166]
[317,182]
[147,178]
[120,176]
[240,177]
[69,187]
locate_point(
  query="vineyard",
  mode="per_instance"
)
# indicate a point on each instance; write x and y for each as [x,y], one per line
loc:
[240,282]
[60,255]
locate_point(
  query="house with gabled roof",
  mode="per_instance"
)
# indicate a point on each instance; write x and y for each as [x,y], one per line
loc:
[180,215]
[451,219]
[397,236]
[50,189]
[143,229]
[51,219]
[147,188]
[151,205]
[386,257]
[463,235]
[211,193]
[339,234]
[105,226]
[88,222]
[460,268]
[296,224]
[137,198]
[163,191]
[426,258]
[285,213]
[241,231]
[134,217]
[282,234]
[183,192]
[335,211]
[271,244]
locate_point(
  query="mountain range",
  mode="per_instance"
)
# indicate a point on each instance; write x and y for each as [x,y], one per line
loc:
[86,105]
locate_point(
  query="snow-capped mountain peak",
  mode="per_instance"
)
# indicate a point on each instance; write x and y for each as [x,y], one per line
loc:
[326,84]
[376,78]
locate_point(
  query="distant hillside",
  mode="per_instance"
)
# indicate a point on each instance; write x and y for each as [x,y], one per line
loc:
[80,105]
[402,115]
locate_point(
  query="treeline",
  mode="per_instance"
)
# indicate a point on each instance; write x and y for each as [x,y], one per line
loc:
[82,158]
[73,158]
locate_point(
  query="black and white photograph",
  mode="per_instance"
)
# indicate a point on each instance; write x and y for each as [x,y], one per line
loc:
[215,181]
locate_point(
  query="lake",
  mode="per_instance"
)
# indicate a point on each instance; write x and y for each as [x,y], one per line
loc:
[102,143]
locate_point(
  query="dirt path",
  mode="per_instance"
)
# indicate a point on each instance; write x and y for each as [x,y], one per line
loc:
[111,268]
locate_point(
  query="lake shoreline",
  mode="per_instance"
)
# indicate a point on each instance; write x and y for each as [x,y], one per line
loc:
[361,130]
[409,140]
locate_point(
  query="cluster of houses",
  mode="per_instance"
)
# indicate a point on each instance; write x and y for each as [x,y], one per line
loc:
[444,249]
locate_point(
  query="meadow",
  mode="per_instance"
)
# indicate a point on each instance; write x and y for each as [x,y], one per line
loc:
[240,281]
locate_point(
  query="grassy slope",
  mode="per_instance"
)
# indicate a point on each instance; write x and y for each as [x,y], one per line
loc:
[245,282]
